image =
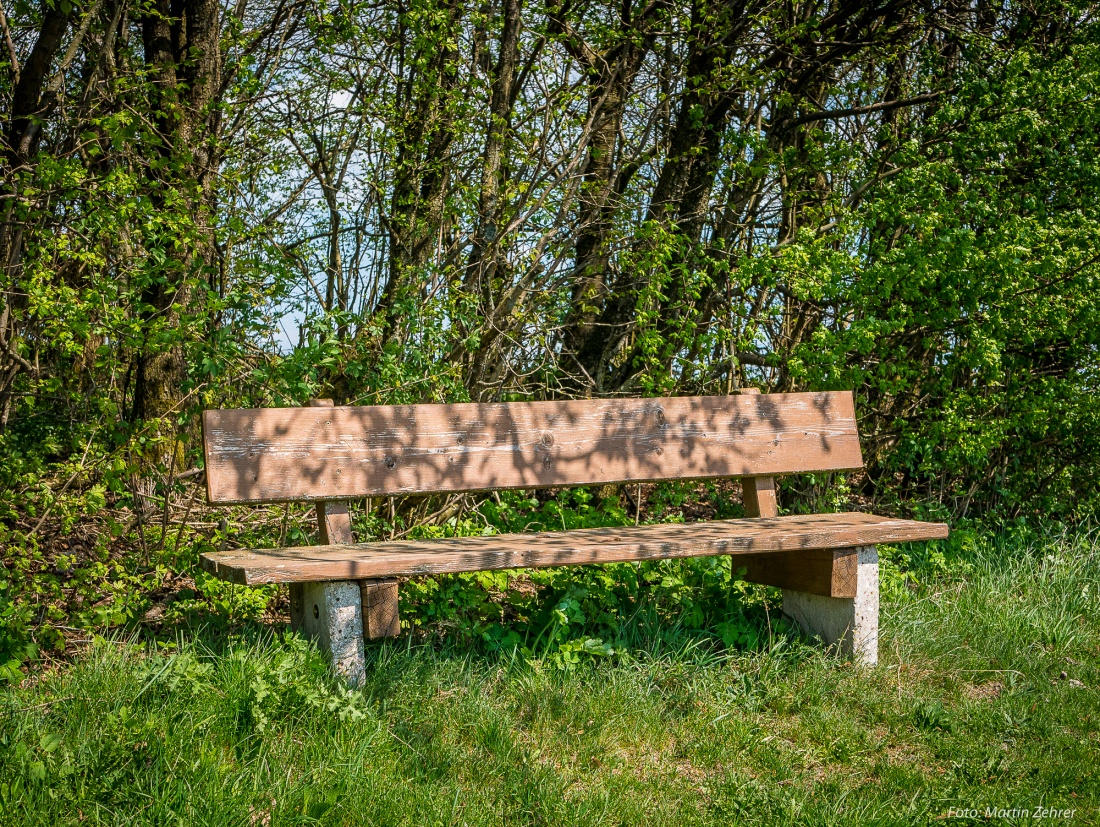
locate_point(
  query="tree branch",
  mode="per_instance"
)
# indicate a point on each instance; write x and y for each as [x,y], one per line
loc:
[883,106]
[11,48]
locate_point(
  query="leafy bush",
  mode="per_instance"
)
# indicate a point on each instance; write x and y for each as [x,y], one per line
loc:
[573,614]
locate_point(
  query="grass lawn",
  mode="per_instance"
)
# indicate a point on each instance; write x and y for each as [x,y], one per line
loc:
[986,696]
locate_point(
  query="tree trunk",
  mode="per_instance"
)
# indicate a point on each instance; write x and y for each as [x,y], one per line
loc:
[29,103]
[184,61]
[482,278]
[610,76]
[421,176]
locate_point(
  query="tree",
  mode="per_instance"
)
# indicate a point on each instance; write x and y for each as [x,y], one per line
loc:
[439,200]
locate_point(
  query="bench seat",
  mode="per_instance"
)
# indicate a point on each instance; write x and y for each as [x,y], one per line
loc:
[406,558]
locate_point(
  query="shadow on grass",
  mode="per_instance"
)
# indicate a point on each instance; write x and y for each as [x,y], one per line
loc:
[245,725]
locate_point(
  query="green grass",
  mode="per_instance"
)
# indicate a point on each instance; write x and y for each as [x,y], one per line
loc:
[968,709]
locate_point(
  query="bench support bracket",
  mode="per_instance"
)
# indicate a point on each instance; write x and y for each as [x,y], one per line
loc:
[847,624]
[380,613]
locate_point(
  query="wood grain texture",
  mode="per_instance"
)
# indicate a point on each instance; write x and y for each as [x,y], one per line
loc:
[381,617]
[333,517]
[334,523]
[594,545]
[827,572]
[758,497]
[281,454]
[758,493]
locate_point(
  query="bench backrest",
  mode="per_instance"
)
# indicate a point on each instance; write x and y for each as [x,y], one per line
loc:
[288,454]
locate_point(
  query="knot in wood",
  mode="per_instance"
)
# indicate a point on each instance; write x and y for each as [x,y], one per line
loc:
[391,463]
[547,440]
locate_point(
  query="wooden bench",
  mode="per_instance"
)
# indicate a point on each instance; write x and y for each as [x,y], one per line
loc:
[343,591]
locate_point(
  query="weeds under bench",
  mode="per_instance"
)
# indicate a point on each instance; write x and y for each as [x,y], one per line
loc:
[343,591]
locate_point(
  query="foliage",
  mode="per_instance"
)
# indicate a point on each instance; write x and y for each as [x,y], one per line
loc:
[991,313]
[986,698]
[562,616]
[438,202]
[567,615]
[257,204]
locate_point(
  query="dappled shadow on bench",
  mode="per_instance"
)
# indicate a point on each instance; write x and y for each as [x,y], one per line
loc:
[563,548]
[279,454]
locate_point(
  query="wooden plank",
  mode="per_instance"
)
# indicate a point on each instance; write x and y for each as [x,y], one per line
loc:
[758,497]
[594,545]
[279,454]
[827,572]
[334,523]
[380,608]
[809,571]
[333,518]
[758,493]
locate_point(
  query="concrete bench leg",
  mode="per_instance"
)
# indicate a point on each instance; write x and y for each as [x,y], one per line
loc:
[332,615]
[850,625]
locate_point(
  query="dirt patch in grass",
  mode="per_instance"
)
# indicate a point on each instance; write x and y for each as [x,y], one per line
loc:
[983,691]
